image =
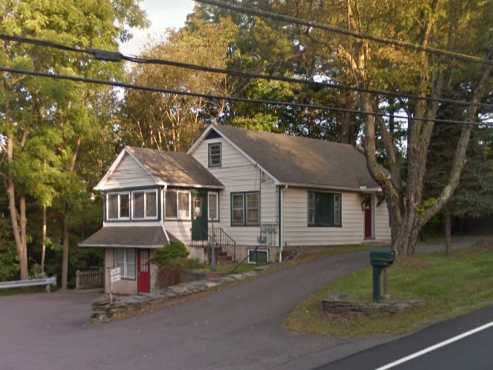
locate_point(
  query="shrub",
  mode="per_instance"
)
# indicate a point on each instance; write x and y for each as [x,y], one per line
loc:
[9,265]
[173,254]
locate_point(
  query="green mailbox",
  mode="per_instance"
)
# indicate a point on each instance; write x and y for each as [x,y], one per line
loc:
[380,260]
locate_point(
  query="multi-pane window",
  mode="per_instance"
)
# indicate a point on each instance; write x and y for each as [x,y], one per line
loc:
[252,208]
[144,204]
[171,204]
[118,206]
[245,209]
[125,260]
[213,206]
[215,155]
[178,204]
[237,209]
[324,209]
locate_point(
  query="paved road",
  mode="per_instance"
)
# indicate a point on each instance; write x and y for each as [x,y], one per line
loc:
[473,352]
[237,328]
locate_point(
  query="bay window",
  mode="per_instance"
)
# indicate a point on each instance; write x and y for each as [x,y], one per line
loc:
[144,204]
[118,206]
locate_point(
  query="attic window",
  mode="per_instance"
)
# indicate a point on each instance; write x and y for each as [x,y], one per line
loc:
[215,155]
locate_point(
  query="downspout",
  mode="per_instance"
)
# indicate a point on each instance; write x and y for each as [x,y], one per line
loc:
[279,219]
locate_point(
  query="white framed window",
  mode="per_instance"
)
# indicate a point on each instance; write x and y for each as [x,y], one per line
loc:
[252,208]
[213,206]
[237,209]
[125,259]
[178,204]
[245,208]
[144,205]
[215,155]
[118,206]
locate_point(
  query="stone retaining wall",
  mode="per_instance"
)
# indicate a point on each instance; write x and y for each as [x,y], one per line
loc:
[342,305]
[124,306]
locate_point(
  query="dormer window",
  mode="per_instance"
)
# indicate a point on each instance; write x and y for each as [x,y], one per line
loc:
[215,155]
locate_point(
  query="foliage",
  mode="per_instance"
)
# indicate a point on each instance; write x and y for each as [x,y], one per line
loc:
[9,265]
[171,122]
[392,147]
[61,132]
[449,286]
[474,195]
[172,254]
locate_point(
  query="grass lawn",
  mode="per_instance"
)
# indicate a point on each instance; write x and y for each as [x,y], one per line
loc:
[449,286]
[313,253]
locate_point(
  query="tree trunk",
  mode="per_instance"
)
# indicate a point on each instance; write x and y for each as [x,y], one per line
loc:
[447,228]
[66,234]
[43,241]
[17,218]
[65,252]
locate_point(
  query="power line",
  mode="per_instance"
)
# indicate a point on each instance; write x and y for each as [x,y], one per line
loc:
[359,35]
[115,56]
[220,97]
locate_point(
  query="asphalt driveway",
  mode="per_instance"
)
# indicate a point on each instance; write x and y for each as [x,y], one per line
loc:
[237,328]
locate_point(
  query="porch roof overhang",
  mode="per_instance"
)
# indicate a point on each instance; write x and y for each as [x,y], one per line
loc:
[148,237]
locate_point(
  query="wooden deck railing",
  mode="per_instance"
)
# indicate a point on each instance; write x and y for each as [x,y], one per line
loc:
[90,279]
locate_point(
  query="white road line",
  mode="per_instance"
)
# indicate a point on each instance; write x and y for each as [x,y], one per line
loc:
[436,346]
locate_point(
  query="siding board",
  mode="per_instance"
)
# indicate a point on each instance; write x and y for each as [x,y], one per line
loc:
[129,174]
[297,232]
[239,174]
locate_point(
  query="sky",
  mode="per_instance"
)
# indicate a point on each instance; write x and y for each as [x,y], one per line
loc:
[162,14]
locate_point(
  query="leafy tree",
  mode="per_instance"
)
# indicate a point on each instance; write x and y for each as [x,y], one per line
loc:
[474,195]
[172,122]
[313,53]
[46,122]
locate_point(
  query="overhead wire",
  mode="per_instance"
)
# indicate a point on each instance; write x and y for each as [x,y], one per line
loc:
[115,56]
[167,91]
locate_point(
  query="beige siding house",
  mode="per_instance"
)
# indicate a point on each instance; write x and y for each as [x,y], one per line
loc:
[249,194]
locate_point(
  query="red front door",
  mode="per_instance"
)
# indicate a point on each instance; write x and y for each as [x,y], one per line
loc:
[368,218]
[143,272]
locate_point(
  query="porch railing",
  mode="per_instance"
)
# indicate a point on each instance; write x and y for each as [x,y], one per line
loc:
[218,239]
[90,279]
[221,239]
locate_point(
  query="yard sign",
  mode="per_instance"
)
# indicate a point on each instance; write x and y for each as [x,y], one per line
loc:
[115,274]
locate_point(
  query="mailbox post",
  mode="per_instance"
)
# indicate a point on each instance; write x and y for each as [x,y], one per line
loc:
[379,260]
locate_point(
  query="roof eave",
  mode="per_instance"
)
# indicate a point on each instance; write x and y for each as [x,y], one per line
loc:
[197,186]
[91,245]
[332,187]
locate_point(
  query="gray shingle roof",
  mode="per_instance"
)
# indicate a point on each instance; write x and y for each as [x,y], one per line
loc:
[303,161]
[175,168]
[128,237]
